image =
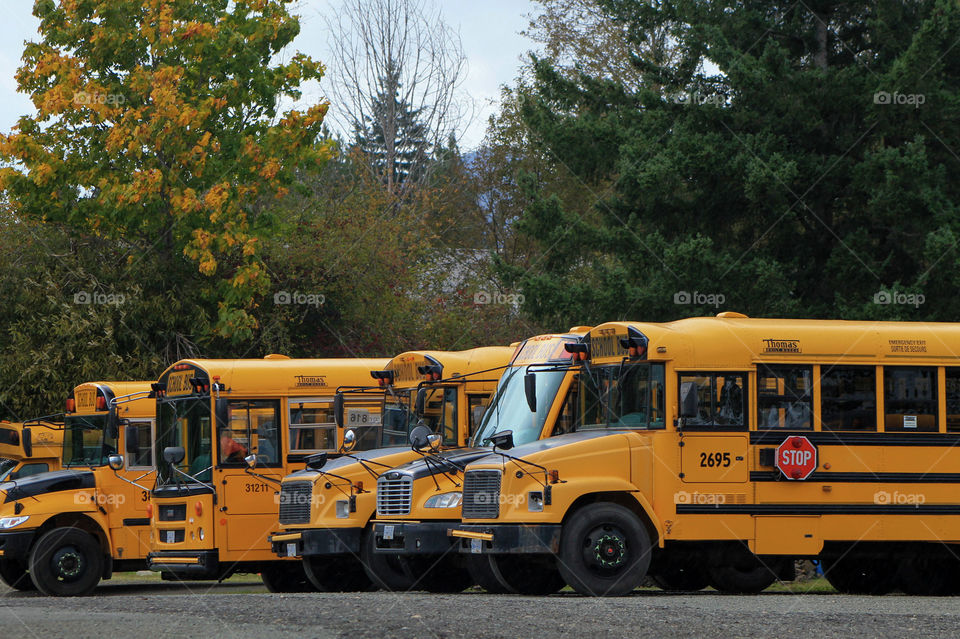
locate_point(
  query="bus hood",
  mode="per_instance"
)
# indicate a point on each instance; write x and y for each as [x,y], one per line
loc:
[461,457]
[340,462]
[52,482]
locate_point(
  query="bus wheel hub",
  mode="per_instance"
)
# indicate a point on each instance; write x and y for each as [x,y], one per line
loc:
[69,563]
[610,550]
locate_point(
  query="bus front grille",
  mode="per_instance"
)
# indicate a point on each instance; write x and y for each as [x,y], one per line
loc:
[481,494]
[394,494]
[295,498]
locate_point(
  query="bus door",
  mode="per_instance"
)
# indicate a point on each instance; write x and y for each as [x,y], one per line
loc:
[127,503]
[714,439]
[248,499]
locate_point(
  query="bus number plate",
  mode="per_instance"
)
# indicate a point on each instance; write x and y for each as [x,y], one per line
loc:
[171,536]
[388,532]
[476,546]
[291,550]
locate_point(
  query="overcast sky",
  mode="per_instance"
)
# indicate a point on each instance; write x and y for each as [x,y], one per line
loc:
[490,32]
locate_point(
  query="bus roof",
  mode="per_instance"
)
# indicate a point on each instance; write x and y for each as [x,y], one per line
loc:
[85,396]
[547,347]
[283,376]
[453,363]
[734,339]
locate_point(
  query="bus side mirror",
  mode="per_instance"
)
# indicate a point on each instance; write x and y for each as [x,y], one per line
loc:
[349,441]
[173,454]
[689,402]
[530,390]
[502,440]
[316,461]
[251,460]
[338,409]
[115,462]
[420,407]
[27,438]
[420,437]
[132,436]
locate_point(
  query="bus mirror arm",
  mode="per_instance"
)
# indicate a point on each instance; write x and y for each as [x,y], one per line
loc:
[116,465]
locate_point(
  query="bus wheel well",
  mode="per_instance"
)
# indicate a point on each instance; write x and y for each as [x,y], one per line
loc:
[621,499]
[76,520]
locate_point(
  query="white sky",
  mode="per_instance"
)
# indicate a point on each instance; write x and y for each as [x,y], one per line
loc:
[489,29]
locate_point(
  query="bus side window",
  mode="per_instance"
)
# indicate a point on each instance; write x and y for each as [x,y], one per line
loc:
[848,397]
[721,399]
[785,397]
[953,399]
[312,426]
[910,398]
[477,406]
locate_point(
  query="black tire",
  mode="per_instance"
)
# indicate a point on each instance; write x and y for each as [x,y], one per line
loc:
[605,550]
[444,574]
[66,562]
[483,574]
[858,574]
[929,569]
[14,574]
[737,570]
[527,575]
[384,569]
[287,576]
[333,573]
[681,577]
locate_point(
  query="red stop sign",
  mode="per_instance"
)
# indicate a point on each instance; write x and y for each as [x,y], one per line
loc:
[796,457]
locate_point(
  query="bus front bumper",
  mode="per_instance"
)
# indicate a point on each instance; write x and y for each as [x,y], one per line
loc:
[407,538]
[502,539]
[201,564]
[16,545]
[317,541]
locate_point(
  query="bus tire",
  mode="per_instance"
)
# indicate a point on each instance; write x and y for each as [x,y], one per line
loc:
[336,574]
[681,577]
[859,575]
[287,576]
[481,570]
[14,574]
[928,569]
[66,562]
[383,569]
[444,574]
[604,550]
[533,575]
[737,570]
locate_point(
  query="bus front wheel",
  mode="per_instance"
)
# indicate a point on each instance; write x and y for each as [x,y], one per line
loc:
[383,569]
[66,562]
[287,576]
[517,575]
[604,550]
[336,574]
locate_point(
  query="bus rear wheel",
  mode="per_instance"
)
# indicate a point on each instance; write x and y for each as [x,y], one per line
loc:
[517,575]
[66,562]
[14,574]
[444,574]
[288,576]
[334,573]
[680,576]
[929,569]
[604,550]
[858,574]
[383,569]
[737,570]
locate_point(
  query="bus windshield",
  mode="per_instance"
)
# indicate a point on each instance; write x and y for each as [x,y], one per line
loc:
[86,441]
[186,423]
[397,418]
[627,396]
[439,414]
[509,409]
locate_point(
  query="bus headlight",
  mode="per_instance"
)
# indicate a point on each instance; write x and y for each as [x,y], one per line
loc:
[535,501]
[343,509]
[9,522]
[446,500]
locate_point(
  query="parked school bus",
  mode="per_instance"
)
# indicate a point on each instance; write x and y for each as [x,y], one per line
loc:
[717,450]
[63,531]
[29,448]
[325,510]
[419,501]
[229,431]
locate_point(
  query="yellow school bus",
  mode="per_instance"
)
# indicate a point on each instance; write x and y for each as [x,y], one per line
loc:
[419,501]
[229,431]
[29,448]
[717,450]
[325,510]
[63,531]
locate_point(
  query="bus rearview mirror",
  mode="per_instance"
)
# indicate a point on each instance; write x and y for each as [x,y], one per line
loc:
[349,441]
[27,438]
[131,436]
[338,409]
[530,390]
[115,462]
[174,454]
[420,406]
[420,437]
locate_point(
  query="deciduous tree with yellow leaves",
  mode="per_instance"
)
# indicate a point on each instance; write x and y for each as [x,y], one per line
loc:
[158,122]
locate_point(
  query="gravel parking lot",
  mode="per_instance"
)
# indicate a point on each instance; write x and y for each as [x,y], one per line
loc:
[241,608]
